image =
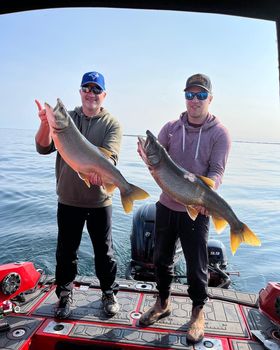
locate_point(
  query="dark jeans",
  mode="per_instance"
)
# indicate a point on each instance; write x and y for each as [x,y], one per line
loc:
[170,226]
[71,222]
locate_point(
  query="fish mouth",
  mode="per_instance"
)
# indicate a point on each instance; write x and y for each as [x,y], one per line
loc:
[59,107]
[144,143]
[151,140]
[57,116]
[149,149]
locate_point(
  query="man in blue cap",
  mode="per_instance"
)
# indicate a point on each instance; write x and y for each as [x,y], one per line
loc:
[78,204]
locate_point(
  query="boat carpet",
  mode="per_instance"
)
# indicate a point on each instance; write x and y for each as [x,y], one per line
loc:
[249,299]
[30,300]
[259,321]
[21,330]
[246,345]
[148,338]
[87,306]
[246,299]
[228,324]
[136,338]
[221,317]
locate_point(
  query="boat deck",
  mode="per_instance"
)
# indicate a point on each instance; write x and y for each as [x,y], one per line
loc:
[230,316]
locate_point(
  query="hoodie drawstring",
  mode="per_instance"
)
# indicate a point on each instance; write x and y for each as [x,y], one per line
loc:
[184,135]
[198,143]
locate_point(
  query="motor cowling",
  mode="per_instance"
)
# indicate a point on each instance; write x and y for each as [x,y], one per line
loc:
[217,254]
[142,244]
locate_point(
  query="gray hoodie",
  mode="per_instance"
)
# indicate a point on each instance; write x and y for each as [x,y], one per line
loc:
[102,130]
[200,150]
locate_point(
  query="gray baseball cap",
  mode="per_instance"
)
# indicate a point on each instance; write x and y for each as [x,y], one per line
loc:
[200,80]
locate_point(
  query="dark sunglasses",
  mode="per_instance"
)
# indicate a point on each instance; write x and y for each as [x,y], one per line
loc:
[96,90]
[202,95]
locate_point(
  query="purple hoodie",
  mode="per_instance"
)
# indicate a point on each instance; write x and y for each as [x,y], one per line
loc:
[200,150]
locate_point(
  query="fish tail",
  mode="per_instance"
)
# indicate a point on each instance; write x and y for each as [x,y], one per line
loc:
[245,235]
[135,193]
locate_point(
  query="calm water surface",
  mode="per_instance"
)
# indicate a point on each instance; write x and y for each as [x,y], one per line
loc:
[28,207]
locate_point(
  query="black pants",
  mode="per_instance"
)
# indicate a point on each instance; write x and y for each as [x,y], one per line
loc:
[71,222]
[170,226]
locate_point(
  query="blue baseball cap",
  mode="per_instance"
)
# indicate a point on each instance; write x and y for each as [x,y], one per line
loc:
[94,78]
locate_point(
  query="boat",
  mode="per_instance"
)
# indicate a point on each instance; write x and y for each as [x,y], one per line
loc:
[234,320]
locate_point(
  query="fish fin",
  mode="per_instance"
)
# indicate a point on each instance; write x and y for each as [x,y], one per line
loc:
[219,223]
[192,212]
[105,152]
[246,235]
[84,178]
[209,182]
[132,195]
[109,188]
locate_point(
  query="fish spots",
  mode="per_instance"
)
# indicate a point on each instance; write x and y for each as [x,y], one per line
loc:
[189,176]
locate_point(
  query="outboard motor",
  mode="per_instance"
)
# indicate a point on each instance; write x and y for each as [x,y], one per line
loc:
[217,254]
[141,266]
[217,264]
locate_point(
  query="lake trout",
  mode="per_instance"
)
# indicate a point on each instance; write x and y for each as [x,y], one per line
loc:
[85,158]
[193,190]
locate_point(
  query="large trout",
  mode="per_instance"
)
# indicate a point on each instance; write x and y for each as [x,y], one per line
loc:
[191,190]
[85,158]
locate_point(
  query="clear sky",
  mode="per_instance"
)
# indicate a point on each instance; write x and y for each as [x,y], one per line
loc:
[146,57]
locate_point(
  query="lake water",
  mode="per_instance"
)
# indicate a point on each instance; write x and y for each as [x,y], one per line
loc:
[28,207]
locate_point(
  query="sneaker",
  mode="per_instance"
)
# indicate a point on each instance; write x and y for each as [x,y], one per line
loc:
[110,303]
[63,307]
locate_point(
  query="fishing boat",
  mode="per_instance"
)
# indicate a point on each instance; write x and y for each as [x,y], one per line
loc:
[234,320]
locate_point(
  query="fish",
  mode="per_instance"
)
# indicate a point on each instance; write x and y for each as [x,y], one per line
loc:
[85,158]
[193,190]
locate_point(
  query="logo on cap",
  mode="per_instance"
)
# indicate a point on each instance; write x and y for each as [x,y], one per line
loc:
[93,77]
[200,80]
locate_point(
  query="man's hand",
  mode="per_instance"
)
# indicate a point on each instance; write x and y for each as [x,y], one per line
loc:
[42,113]
[95,179]
[202,210]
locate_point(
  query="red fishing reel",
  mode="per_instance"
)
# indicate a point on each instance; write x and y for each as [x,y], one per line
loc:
[16,278]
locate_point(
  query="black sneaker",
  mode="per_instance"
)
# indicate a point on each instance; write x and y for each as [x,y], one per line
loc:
[110,303]
[63,307]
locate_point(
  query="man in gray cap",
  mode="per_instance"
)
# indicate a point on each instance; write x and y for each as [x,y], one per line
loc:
[199,143]
[79,205]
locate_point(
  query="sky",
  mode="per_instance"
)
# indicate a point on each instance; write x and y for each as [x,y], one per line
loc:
[146,57]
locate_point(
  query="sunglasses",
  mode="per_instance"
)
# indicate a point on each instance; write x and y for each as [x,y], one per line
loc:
[202,95]
[96,90]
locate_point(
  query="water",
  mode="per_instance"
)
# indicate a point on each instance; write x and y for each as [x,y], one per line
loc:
[28,207]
